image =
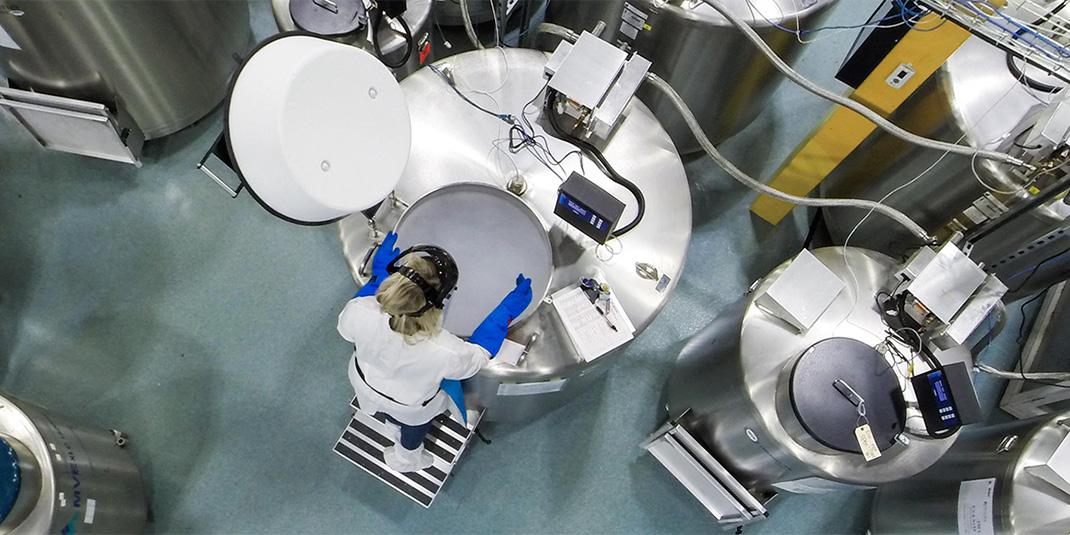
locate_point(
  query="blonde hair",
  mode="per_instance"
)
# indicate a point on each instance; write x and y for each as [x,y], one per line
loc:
[398,297]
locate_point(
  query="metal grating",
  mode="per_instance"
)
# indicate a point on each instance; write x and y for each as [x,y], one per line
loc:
[1035,30]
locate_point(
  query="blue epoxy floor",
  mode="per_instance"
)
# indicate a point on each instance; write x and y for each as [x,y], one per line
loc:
[149,301]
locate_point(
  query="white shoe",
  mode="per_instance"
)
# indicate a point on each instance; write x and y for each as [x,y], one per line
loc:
[403,460]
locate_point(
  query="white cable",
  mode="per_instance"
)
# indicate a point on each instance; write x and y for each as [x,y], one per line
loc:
[852,105]
[468,27]
[906,184]
[757,185]
[497,30]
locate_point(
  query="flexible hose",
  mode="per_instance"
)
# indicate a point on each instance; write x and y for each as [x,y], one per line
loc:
[558,30]
[468,27]
[752,183]
[852,105]
[1004,374]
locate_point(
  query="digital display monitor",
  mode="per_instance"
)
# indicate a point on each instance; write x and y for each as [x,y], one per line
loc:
[936,401]
[583,212]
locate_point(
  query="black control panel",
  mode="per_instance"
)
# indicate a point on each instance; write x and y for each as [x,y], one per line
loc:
[947,399]
[591,209]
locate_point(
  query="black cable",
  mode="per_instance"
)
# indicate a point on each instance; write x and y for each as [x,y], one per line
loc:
[600,159]
[1019,368]
[409,42]
[1036,268]
[1017,71]
[1029,82]
[819,219]
[501,117]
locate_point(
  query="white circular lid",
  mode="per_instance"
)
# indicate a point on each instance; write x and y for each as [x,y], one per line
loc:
[317,129]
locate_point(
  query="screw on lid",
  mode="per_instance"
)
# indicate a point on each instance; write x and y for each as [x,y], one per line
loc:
[328,18]
[831,416]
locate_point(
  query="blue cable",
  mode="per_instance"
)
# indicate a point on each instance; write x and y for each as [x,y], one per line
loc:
[1020,30]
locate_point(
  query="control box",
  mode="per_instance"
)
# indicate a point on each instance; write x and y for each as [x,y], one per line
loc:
[947,399]
[591,209]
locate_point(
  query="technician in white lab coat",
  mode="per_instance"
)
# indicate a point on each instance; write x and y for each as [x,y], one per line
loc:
[403,358]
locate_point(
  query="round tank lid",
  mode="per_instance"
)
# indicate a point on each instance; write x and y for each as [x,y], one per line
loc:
[827,413]
[512,239]
[10,478]
[328,17]
[317,129]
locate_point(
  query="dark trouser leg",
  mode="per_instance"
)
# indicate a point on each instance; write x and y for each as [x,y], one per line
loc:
[413,435]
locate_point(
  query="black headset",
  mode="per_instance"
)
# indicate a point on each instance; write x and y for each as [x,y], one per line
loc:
[444,265]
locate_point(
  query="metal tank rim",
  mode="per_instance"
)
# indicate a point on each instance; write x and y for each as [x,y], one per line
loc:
[763,345]
[14,422]
[517,59]
[527,210]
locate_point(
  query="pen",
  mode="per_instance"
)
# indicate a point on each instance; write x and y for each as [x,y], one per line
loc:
[605,315]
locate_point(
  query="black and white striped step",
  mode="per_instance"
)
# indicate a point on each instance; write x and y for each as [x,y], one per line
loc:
[364,439]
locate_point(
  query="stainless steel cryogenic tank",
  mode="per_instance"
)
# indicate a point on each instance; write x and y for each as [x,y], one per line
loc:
[987,483]
[758,393]
[392,43]
[448,12]
[976,98]
[720,74]
[166,63]
[453,142]
[62,477]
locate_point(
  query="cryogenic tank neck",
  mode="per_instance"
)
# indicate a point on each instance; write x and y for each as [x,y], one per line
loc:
[831,379]
[20,482]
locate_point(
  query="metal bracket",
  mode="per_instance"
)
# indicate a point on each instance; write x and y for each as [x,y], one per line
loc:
[216,163]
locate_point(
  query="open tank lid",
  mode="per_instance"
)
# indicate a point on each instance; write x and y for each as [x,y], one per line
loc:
[317,129]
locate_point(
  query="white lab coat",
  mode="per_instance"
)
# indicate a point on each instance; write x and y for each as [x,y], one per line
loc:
[408,373]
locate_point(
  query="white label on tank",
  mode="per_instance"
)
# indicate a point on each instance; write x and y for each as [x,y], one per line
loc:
[632,20]
[527,389]
[815,485]
[6,41]
[62,499]
[90,510]
[975,506]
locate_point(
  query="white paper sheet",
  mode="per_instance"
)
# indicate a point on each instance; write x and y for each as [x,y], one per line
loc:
[590,331]
[975,507]
[509,353]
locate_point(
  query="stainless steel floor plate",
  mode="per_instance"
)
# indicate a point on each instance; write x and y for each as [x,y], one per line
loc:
[364,439]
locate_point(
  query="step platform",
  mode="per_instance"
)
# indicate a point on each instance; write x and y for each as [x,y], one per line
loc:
[364,439]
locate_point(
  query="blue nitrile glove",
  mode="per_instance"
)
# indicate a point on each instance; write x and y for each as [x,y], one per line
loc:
[384,255]
[491,333]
